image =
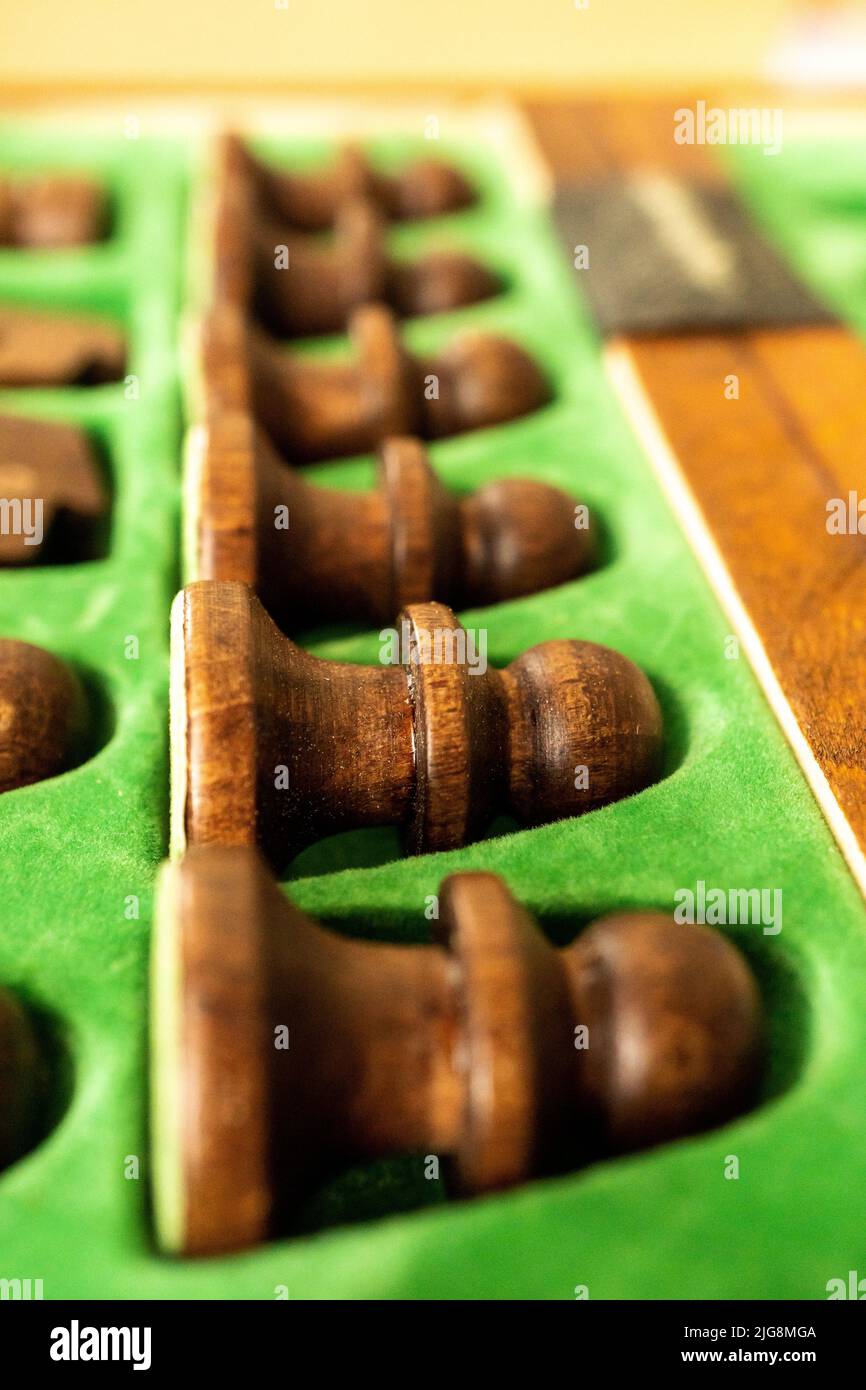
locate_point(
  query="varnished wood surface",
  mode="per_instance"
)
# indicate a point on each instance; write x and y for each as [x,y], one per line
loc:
[464,1050]
[318,410]
[751,478]
[275,747]
[319,555]
[42,714]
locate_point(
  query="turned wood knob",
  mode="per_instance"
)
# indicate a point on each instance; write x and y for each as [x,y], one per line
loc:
[299,285]
[318,555]
[311,202]
[273,746]
[282,1052]
[316,410]
[22,1081]
[39,349]
[50,213]
[42,715]
[53,496]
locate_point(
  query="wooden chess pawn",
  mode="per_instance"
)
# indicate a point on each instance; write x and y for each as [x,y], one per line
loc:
[22,1081]
[273,746]
[311,202]
[38,349]
[318,286]
[51,212]
[53,490]
[42,715]
[282,1052]
[317,555]
[317,410]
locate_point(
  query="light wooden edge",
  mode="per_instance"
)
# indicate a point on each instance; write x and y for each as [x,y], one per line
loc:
[166,1070]
[177,730]
[196,444]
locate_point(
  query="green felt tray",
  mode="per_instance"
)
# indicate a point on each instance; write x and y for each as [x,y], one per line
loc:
[732,810]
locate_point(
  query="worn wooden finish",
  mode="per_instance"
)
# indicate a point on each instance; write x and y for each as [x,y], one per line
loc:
[273,746]
[42,714]
[22,1080]
[751,477]
[50,213]
[467,1050]
[54,466]
[312,202]
[38,349]
[316,555]
[316,410]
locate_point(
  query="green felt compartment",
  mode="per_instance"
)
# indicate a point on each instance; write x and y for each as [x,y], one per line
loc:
[732,810]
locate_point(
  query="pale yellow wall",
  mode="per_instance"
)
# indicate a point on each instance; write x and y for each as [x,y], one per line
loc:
[527,42]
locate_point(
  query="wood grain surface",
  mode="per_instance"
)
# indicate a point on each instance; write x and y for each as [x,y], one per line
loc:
[319,410]
[318,555]
[464,1050]
[275,747]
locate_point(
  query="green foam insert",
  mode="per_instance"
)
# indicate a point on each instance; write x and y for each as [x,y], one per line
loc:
[732,810]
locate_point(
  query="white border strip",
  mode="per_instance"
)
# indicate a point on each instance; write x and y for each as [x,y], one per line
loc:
[629,387]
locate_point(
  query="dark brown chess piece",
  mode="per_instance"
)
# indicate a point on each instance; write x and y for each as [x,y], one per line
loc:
[51,212]
[273,746]
[38,349]
[52,497]
[317,555]
[22,1080]
[283,1052]
[298,285]
[311,202]
[317,410]
[42,714]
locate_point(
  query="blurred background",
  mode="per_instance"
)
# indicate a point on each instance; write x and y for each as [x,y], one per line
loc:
[535,46]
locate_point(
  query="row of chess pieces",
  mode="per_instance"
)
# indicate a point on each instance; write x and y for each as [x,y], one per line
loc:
[280,1050]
